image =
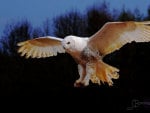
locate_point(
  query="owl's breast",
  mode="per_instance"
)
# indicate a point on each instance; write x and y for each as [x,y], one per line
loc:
[90,55]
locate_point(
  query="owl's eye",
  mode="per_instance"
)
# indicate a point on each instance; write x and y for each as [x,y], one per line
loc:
[68,42]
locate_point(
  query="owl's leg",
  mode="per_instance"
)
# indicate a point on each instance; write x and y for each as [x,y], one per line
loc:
[82,73]
[90,70]
[84,81]
[87,73]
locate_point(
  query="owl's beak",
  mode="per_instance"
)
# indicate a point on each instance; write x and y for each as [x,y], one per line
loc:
[63,47]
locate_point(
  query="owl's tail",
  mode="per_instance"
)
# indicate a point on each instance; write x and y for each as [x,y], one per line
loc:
[105,73]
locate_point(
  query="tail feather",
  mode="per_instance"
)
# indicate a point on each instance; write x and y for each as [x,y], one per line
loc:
[105,73]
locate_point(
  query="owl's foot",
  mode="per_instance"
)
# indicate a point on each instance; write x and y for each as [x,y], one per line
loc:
[80,83]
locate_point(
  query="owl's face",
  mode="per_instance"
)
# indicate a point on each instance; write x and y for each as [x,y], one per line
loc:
[69,43]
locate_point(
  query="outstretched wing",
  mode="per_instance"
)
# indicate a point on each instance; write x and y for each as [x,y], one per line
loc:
[114,35]
[41,47]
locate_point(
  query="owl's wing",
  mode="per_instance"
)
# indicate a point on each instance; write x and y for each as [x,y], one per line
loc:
[41,47]
[114,35]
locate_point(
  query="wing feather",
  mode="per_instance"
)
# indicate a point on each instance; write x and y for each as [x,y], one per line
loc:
[41,47]
[114,35]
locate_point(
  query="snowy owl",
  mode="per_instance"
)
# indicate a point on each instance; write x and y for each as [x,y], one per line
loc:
[88,52]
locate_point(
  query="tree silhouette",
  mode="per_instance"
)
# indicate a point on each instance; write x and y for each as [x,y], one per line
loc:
[126,15]
[148,14]
[37,32]
[71,23]
[46,27]
[138,15]
[13,34]
[97,16]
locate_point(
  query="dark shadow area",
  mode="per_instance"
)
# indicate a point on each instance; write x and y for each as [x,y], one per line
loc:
[54,77]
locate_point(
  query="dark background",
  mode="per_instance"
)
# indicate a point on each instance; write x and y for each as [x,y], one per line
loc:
[54,77]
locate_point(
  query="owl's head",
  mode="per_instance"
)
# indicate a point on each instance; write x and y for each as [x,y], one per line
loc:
[69,43]
[74,43]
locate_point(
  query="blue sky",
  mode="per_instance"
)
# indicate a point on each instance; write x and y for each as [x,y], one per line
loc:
[36,11]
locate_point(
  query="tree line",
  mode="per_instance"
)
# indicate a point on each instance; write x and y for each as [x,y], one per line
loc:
[71,23]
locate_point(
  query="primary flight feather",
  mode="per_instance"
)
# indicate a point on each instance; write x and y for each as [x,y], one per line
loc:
[88,52]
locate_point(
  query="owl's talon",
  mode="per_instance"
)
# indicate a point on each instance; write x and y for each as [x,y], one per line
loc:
[78,84]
